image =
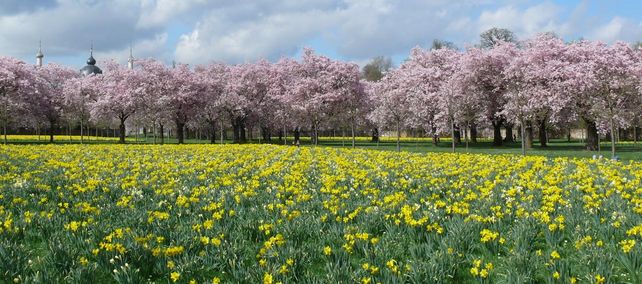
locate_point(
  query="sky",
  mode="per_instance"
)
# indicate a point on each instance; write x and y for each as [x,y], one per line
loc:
[238,31]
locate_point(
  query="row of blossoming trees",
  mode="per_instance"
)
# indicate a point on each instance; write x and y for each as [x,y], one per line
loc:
[540,83]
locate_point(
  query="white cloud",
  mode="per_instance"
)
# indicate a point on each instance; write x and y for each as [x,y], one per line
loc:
[618,29]
[355,29]
[609,31]
[526,22]
[270,36]
[154,47]
[70,26]
[197,31]
[158,12]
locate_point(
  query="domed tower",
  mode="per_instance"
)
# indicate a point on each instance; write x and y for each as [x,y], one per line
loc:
[39,56]
[91,67]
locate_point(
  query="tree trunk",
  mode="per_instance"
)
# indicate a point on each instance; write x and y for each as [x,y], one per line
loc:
[528,135]
[352,130]
[52,125]
[497,132]
[375,134]
[473,132]
[213,130]
[434,136]
[612,138]
[453,135]
[121,128]
[4,131]
[285,135]
[522,128]
[238,124]
[297,136]
[162,133]
[81,134]
[180,131]
[222,131]
[466,131]
[242,136]
[398,137]
[568,136]
[315,134]
[542,133]
[456,134]
[235,131]
[266,133]
[635,136]
[509,133]
[591,135]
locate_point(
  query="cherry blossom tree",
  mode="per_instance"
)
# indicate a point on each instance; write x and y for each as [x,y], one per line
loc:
[248,97]
[48,101]
[283,91]
[79,93]
[158,82]
[16,84]
[392,100]
[535,79]
[604,82]
[469,105]
[213,77]
[345,94]
[184,97]
[310,93]
[485,68]
[256,86]
[614,84]
[120,95]
[442,91]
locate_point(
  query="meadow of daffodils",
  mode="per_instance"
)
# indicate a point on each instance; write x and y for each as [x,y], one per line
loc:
[270,214]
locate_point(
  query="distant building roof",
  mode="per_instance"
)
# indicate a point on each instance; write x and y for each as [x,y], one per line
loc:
[91,67]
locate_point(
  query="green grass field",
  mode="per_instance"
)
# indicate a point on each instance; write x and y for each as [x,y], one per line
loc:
[626,150]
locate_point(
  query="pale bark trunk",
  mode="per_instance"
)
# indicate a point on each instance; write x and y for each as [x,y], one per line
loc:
[466,135]
[452,128]
[222,135]
[285,135]
[612,139]
[398,137]
[81,133]
[523,130]
[352,129]
[4,131]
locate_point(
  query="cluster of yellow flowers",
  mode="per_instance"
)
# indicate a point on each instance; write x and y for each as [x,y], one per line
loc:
[263,213]
[481,271]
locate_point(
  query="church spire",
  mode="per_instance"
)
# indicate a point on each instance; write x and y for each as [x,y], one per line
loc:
[130,61]
[39,55]
[91,60]
[91,68]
